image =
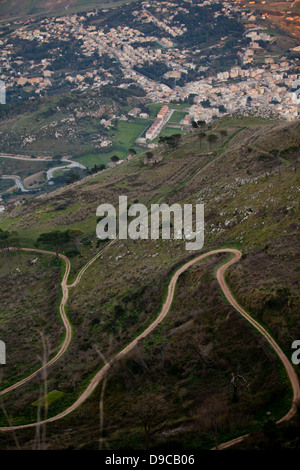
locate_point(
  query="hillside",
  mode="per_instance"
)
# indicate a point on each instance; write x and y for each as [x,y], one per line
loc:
[248,181]
[285,15]
[30,8]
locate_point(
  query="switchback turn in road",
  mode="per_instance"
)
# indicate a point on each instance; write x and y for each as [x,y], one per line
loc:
[164,311]
[67,324]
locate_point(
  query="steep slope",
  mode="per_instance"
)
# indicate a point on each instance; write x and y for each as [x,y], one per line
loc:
[250,197]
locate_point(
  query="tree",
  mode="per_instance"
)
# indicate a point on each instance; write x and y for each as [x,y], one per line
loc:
[235,378]
[206,103]
[216,410]
[89,80]
[96,168]
[292,153]
[171,141]
[212,138]
[174,140]
[194,125]
[149,155]
[8,239]
[72,177]
[201,124]
[222,109]
[75,236]
[132,152]
[115,158]
[275,153]
[149,412]
[266,162]
[201,137]
[223,133]
[4,239]
[55,240]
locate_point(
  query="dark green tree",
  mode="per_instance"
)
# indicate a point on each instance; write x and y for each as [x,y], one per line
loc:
[212,138]
[54,240]
[115,158]
[201,137]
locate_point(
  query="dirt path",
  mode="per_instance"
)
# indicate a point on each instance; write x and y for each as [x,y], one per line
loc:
[285,361]
[67,324]
[65,295]
[164,311]
[89,263]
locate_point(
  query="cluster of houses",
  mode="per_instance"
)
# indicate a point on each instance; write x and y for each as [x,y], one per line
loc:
[267,86]
[158,123]
[266,82]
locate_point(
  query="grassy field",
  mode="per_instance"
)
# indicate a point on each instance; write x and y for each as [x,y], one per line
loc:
[167,131]
[50,398]
[123,139]
[155,107]
[82,146]
[176,117]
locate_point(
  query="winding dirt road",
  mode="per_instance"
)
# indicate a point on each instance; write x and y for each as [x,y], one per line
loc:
[65,295]
[62,311]
[164,311]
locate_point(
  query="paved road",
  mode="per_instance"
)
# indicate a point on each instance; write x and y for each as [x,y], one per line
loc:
[17,180]
[164,311]
[71,163]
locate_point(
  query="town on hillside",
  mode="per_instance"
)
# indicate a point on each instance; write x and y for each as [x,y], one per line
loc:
[150,45]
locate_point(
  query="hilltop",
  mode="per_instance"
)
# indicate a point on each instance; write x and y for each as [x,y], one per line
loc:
[248,180]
